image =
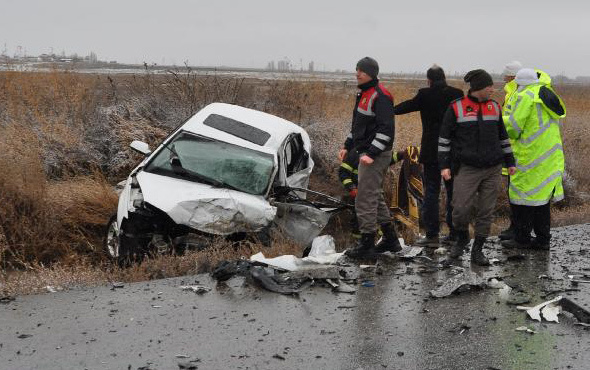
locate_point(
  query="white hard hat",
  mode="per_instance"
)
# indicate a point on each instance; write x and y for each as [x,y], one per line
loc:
[510,69]
[526,76]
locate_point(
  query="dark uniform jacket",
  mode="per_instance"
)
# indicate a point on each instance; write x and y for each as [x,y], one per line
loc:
[432,102]
[473,133]
[372,120]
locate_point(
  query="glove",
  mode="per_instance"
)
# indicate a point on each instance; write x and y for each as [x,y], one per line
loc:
[353,193]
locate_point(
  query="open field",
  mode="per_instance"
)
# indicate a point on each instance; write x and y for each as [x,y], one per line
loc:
[65,137]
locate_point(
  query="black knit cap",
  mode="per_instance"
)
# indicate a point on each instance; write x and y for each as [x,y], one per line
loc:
[369,66]
[478,79]
[435,73]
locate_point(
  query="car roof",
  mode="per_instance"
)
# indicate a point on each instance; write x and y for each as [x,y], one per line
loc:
[275,129]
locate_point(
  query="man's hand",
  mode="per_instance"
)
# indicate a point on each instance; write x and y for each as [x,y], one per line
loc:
[366,160]
[511,170]
[342,154]
[353,192]
[446,174]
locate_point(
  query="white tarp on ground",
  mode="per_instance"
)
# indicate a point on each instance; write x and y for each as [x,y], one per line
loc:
[323,252]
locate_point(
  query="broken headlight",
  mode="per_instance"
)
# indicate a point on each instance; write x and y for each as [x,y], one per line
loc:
[135,195]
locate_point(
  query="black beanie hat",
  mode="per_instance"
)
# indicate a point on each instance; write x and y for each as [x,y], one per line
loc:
[478,79]
[369,66]
[435,73]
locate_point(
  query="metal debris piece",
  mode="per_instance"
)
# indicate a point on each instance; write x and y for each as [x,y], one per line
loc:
[199,289]
[325,272]
[452,284]
[526,329]
[265,279]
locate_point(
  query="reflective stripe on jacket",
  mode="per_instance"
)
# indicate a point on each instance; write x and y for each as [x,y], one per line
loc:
[473,133]
[533,128]
[372,130]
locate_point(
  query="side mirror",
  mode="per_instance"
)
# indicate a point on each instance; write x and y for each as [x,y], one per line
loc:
[140,147]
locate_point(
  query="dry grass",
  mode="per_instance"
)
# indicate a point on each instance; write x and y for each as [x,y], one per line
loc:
[65,140]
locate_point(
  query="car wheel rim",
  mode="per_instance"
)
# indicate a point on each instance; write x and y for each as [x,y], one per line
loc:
[113,240]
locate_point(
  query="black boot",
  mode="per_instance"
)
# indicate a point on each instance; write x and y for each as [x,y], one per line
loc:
[460,245]
[507,234]
[477,255]
[449,239]
[389,242]
[364,248]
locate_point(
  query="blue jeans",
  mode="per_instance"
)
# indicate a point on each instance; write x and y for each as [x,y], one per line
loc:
[430,206]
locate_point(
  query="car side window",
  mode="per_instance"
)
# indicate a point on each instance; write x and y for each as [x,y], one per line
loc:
[296,157]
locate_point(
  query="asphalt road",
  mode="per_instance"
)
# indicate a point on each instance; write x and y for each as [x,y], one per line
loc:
[394,324]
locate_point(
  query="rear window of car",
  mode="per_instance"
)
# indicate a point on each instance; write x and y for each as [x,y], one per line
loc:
[237,128]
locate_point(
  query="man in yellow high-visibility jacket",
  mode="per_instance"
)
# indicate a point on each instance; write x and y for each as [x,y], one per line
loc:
[532,122]
[508,74]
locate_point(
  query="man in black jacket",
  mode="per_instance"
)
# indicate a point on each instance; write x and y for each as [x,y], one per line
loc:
[432,102]
[474,143]
[371,136]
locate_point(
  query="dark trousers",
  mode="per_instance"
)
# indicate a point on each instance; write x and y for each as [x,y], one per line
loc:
[475,188]
[430,206]
[529,218]
[512,221]
[370,206]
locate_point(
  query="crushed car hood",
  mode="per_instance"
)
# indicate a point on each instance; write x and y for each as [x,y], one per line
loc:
[205,208]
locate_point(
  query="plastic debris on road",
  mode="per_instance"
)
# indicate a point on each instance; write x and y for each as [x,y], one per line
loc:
[323,252]
[525,329]
[536,311]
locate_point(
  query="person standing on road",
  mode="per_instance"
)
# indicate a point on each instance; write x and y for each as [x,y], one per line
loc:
[474,143]
[509,73]
[371,135]
[432,103]
[533,126]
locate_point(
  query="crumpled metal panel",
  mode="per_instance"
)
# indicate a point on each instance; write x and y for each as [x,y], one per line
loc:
[205,208]
[301,222]
[222,216]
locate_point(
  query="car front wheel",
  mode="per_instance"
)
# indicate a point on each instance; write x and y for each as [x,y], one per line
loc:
[112,240]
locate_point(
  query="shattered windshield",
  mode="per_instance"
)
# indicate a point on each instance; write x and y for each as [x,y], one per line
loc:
[214,162]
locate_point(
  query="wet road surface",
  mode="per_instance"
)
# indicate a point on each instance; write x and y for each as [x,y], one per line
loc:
[393,325]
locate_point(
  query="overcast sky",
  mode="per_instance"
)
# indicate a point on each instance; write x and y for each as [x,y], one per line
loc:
[404,36]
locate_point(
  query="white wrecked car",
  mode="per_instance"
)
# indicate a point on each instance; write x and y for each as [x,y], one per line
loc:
[226,171]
